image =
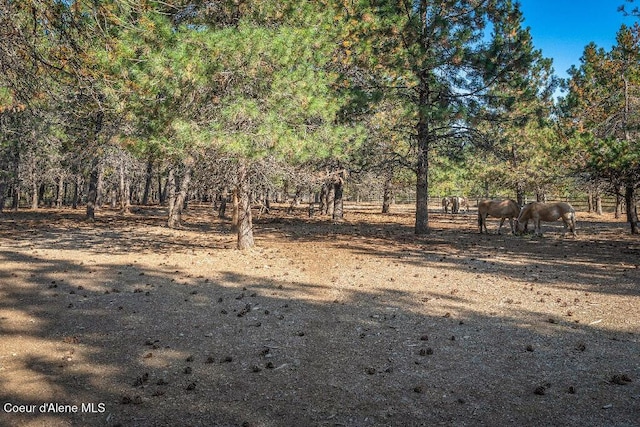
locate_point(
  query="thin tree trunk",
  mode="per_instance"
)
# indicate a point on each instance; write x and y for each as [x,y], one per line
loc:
[285,192]
[329,202]
[185,182]
[296,200]
[387,195]
[632,213]
[235,215]
[629,194]
[267,200]
[619,200]
[3,189]
[42,190]
[422,213]
[422,185]
[324,197]
[422,163]
[170,188]
[338,203]
[245,224]
[520,196]
[14,187]
[60,191]
[148,182]
[222,208]
[92,194]
[76,193]
[99,186]
[175,215]
[515,160]
[16,197]
[35,195]
[123,188]
[598,204]
[162,192]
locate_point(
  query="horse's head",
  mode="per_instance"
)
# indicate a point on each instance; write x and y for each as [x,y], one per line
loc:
[521,226]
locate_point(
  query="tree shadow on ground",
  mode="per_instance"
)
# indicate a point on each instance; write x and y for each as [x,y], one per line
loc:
[603,258]
[162,340]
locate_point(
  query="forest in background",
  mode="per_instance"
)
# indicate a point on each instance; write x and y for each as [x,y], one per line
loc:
[150,102]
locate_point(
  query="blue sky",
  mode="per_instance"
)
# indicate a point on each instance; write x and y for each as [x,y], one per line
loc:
[562,28]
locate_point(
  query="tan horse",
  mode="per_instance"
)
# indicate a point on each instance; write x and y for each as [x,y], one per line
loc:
[548,212]
[456,203]
[503,209]
[459,203]
[446,202]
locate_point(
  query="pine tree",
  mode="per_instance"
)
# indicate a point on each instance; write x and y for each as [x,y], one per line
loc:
[601,114]
[440,59]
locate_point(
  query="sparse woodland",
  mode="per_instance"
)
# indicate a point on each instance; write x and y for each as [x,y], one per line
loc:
[142,143]
[150,102]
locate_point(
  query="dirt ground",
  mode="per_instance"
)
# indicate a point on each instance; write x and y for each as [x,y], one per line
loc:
[124,322]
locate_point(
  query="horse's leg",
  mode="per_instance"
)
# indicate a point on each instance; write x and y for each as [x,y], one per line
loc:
[500,226]
[513,230]
[567,219]
[537,228]
[569,223]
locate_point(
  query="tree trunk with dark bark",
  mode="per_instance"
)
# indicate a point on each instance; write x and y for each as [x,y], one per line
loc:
[35,192]
[148,182]
[60,192]
[245,223]
[76,193]
[222,207]
[619,200]
[632,213]
[387,195]
[338,202]
[3,189]
[99,186]
[324,199]
[177,197]
[235,214]
[92,193]
[123,188]
[422,185]
[16,197]
[423,136]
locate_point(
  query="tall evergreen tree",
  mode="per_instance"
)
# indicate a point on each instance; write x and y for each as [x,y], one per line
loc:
[601,114]
[441,58]
[519,109]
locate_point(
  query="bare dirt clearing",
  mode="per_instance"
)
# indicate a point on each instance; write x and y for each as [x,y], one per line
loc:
[353,324]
